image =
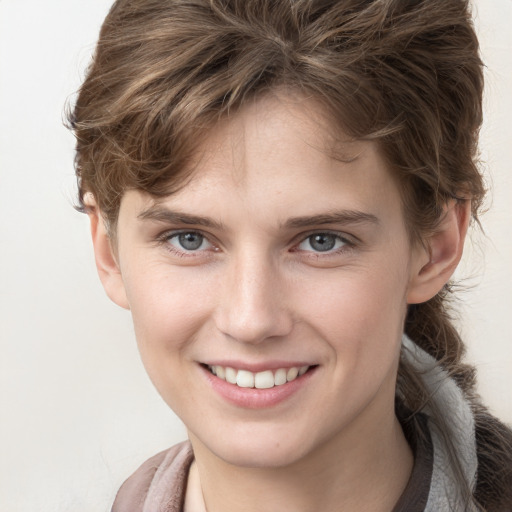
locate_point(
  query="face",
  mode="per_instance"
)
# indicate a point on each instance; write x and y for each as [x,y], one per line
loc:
[269,294]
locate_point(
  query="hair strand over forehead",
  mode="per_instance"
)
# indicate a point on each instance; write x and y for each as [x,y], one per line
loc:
[407,74]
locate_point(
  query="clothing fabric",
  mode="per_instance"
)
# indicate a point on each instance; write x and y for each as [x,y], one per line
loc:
[445,494]
[159,484]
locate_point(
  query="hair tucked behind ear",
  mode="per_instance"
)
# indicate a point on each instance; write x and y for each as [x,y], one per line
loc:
[405,73]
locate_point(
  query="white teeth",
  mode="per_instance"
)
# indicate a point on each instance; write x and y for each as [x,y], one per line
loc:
[262,380]
[231,375]
[280,377]
[245,379]
[292,374]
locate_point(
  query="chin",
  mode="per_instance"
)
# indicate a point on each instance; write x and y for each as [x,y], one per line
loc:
[259,456]
[261,449]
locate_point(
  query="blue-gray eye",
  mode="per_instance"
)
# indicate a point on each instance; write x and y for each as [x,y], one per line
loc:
[189,241]
[322,242]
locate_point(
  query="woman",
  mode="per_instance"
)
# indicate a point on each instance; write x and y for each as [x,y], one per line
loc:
[279,192]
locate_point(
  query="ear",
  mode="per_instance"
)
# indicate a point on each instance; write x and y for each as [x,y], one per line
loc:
[434,264]
[106,260]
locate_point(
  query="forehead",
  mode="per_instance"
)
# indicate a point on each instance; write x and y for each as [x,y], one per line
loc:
[278,122]
[280,156]
[276,129]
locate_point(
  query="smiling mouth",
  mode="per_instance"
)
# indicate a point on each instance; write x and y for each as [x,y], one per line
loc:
[261,380]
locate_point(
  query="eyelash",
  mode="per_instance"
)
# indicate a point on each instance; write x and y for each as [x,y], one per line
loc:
[348,244]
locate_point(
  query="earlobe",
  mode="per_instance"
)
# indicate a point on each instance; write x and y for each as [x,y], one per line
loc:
[435,264]
[106,263]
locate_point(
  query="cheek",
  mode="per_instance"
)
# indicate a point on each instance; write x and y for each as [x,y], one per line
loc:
[168,312]
[167,309]
[356,298]
[361,313]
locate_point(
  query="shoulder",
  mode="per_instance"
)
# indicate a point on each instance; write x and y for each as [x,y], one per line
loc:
[159,483]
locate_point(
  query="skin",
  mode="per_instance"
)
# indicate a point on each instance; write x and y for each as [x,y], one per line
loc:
[257,290]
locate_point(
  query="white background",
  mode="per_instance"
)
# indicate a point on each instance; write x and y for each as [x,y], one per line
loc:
[77,412]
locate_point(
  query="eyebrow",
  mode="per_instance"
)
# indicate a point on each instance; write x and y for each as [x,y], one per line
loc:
[160,214]
[337,217]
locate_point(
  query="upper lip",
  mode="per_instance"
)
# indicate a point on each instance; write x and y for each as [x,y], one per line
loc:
[256,367]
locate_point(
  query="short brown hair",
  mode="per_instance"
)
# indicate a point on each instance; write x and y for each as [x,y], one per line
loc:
[406,73]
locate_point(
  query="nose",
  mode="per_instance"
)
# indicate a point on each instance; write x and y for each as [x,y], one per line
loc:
[252,304]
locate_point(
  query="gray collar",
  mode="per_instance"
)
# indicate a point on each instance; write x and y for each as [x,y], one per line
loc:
[445,495]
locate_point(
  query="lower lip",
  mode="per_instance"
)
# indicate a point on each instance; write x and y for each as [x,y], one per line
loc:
[252,398]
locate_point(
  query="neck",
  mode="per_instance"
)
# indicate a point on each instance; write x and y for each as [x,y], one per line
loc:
[360,469]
